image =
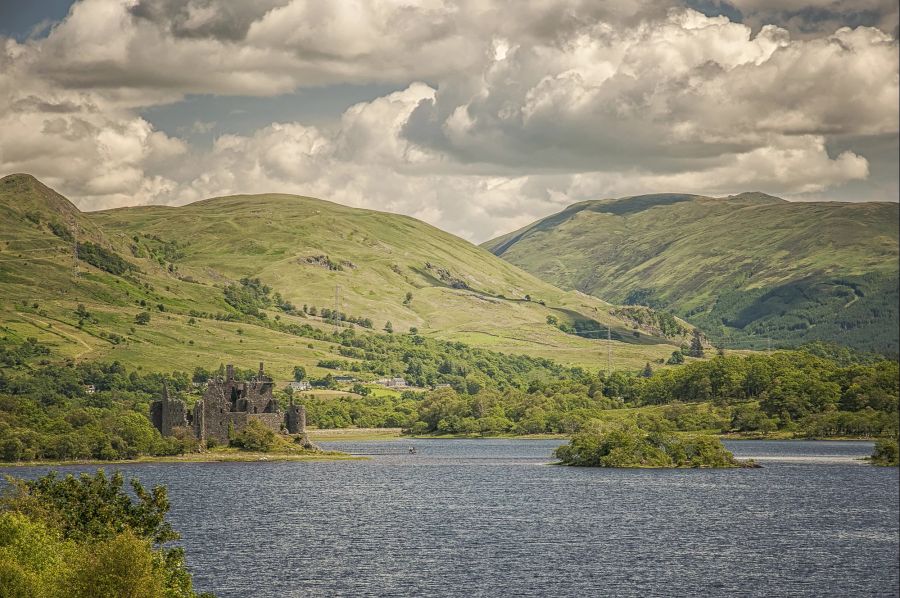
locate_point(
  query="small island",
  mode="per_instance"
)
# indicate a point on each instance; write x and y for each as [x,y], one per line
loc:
[626,444]
[886,453]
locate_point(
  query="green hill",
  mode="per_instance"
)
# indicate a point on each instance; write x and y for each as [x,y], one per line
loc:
[183,266]
[744,268]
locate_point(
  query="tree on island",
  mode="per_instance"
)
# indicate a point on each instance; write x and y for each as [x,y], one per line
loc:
[886,452]
[626,444]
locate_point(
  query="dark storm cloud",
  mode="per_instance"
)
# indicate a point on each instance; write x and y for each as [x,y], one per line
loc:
[219,19]
[806,18]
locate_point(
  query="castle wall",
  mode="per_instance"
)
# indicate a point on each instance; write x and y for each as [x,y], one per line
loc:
[273,421]
[228,405]
[167,414]
[217,424]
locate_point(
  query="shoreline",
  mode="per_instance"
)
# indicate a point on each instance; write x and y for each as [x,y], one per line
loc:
[373,434]
[359,435]
[206,457]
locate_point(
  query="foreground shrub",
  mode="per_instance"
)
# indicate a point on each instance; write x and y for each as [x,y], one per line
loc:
[86,537]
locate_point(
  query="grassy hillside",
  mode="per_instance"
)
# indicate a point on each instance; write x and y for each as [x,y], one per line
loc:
[743,268]
[176,263]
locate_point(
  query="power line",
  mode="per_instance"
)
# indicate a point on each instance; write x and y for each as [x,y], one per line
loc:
[32,250]
[30,259]
[337,306]
[74,226]
[27,240]
[608,351]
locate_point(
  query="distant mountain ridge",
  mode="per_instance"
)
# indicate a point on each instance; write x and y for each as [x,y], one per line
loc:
[745,268]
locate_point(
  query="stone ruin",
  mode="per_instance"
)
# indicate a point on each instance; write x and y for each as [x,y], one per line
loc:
[227,407]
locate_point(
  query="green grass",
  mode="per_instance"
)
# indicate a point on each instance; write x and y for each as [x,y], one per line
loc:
[216,242]
[745,267]
[216,455]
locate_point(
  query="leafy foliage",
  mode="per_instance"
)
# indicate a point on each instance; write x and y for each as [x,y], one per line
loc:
[249,297]
[255,437]
[61,231]
[86,537]
[793,391]
[655,320]
[46,413]
[625,444]
[15,354]
[886,452]
[100,257]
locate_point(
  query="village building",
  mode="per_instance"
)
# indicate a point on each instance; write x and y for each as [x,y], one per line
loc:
[395,382]
[300,385]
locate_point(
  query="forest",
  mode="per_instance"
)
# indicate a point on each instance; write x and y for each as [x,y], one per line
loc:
[62,411]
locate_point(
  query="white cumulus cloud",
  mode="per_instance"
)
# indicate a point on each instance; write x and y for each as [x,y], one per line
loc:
[504,111]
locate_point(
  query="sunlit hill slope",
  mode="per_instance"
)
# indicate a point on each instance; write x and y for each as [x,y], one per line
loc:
[175,262]
[743,268]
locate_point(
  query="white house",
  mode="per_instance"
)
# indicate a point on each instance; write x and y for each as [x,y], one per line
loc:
[301,385]
[392,382]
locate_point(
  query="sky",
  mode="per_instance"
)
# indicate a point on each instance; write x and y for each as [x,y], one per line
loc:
[476,116]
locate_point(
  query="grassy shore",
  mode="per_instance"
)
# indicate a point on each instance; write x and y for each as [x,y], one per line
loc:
[216,455]
[353,434]
[228,454]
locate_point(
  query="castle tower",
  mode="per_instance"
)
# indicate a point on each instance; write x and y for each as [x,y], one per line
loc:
[295,418]
[167,413]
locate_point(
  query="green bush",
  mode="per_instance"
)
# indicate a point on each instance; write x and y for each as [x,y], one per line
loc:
[104,259]
[886,452]
[86,537]
[255,437]
[625,444]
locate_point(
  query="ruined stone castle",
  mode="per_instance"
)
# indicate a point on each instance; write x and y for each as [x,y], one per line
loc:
[226,408]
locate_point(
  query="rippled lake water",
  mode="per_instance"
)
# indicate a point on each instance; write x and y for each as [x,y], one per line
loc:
[492,518]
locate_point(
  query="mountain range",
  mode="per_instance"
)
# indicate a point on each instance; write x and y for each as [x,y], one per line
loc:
[76,281]
[751,270]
